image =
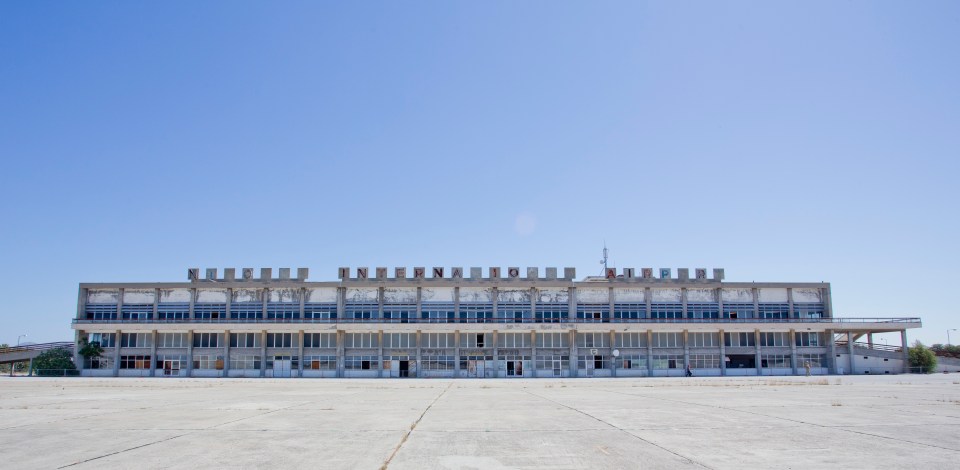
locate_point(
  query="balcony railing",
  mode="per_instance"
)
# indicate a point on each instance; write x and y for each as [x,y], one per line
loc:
[841,321]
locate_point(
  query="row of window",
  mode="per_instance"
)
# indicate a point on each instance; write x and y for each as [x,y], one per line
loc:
[447,312]
[467,340]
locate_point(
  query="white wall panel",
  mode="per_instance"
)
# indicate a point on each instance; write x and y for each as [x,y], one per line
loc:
[701,295]
[806,295]
[740,296]
[362,295]
[665,295]
[139,296]
[593,296]
[213,296]
[476,294]
[436,294]
[174,296]
[102,296]
[322,295]
[400,296]
[247,295]
[557,296]
[773,295]
[285,295]
[513,295]
[629,295]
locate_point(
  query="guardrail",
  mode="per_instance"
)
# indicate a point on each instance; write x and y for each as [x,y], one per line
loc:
[874,346]
[37,347]
[506,320]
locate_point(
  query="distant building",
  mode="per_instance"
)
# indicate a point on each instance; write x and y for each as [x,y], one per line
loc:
[450,323]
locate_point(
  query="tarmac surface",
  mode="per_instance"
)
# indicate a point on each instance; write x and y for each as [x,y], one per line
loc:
[904,421]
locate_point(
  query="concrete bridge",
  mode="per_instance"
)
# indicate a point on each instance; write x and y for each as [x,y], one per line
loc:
[13,354]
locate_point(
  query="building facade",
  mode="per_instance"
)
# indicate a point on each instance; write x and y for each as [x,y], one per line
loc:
[441,322]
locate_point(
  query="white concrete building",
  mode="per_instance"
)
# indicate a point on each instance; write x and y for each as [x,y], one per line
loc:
[448,322]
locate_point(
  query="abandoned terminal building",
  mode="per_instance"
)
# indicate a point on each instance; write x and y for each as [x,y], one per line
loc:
[452,323]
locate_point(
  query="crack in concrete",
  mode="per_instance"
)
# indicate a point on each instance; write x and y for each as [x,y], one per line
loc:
[403,440]
[688,459]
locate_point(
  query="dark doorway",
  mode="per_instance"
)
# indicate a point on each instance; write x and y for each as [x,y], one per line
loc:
[742,361]
[404,368]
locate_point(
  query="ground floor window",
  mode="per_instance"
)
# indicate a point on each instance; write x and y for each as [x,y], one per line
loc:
[775,361]
[667,361]
[592,362]
[98,363]
[244,361]
[553,363]
[705,361]
[514,364]
[289,362]
[633,361]
[134,362]
[815,360]
[437,363]
[171,365]
[361,362]
[207,361]
[320,362]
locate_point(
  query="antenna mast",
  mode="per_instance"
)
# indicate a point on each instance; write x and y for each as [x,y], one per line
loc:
[604,260]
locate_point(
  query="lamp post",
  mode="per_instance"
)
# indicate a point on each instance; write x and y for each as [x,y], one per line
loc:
[948,335]
[18,339]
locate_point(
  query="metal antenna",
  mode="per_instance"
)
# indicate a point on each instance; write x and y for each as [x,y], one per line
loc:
[604,260]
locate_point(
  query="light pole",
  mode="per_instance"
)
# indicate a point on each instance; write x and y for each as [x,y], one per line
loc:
[948,335]
[18,339]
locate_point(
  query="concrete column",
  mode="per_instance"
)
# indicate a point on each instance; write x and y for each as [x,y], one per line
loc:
[153,352]
[456,345]
[790,313]
[759,357]
[723,353]
[341,311]
[263,351]
[870,340]
[613,360]
[193,301]
[380,348]
[300,342]
[850,351]
[686,348]
[116,353]
[649,352]
[572,308]
[77,358]
[29,368]
[610,305]
[456,316]
[419,311]
[793,350]
[264,300]
[156,303]
[533,348]
[683,303]
[573,352]
[827,303]
[226,353]
[120,304]
[831,352]
[647,300]
[190,353]
[226,309]
[496,349]
[906,355]
[303,299]
[419,356]
[495,312]
[340,348]
[756,303]
[720,303]
[380,301]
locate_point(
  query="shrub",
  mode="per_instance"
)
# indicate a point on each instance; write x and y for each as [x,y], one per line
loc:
[922,358]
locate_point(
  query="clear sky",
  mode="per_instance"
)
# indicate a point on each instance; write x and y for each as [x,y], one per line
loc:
[782,141]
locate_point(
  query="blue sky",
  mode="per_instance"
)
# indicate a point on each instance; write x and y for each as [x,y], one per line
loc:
[800,141]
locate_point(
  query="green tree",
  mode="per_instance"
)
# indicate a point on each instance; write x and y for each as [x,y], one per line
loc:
[922,358]
[54,362]
[90,350]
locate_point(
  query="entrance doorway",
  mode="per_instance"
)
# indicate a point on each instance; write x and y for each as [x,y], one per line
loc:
[282,366]
[514,368]
[171,367]
[404,367]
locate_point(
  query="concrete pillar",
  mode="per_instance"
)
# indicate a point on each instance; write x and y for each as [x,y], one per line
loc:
[827,303]
[456,346]
[850,351]
[340,348]
[572,308]
[419,356]
[156,303]
[496,314]
[120,304]
[870,340]
[533,316]
[77,358]
[683,304]
[790,313]
[116,353]
[793,350]
[380,349]
[759,357]
[190,353]
[613,360]
[456,316]
[341,311]
[153,352]
[720,305]
[226,353]
[300,343]
[756,304]
[264,300]
[263,352]
[686,348]
[649,351]
[380,301]
[29,368]
[831,352]
[573,352]
[226,309]
[419,311]
[533,349]
[193,301]
[723,353]
[303,299]
[496,349]
[647,300]
[906,355]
